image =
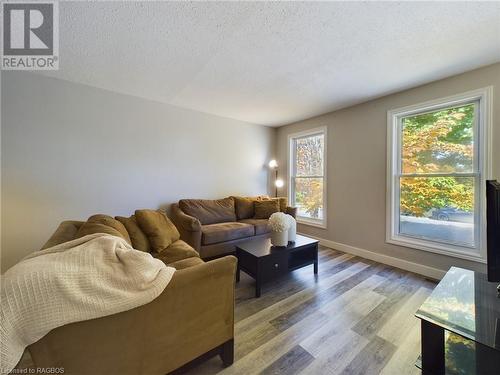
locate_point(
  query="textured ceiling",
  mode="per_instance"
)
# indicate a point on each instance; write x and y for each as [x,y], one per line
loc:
[272,63]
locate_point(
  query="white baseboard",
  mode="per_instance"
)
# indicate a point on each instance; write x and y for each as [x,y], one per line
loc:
[430,272]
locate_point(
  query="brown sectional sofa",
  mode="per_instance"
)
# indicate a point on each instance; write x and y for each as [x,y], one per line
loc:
[193,315]
[214,227]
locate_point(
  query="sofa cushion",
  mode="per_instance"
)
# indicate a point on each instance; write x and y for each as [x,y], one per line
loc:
[178,250]
[103,224]
[137,236]
[161,232]
[186,263]
[264,209]
[209,211]
[292,211]
[244,207]
[283,203]
[221,232]
[260,225]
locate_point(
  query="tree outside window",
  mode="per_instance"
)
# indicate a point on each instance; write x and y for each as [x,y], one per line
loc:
[307,176]
[437,175]
[438,161]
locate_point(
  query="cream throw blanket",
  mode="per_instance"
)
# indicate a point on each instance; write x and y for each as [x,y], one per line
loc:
[87,278]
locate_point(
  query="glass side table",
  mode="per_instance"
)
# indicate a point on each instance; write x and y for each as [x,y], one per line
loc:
[465,304]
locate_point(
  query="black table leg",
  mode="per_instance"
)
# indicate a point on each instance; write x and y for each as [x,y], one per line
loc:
[258,282]
[316,260]
[487,360]
[432,348]
[257,289]
[237,265]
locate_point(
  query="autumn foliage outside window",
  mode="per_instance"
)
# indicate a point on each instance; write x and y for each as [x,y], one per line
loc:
[438,174]
[307,176]
[438,143]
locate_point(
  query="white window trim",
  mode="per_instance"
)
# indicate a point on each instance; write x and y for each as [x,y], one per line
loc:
[301,220]
[484,125]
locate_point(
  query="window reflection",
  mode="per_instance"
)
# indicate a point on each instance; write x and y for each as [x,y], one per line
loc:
[452,302]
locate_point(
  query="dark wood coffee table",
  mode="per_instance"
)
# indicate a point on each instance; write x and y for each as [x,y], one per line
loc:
[264,262]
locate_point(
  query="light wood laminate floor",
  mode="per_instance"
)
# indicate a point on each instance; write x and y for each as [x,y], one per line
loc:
[355,317]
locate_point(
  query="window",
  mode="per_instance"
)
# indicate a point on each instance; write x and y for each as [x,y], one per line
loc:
[307,185]
[437,167]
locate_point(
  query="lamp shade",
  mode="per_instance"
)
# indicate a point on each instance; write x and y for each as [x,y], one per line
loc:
[273,164]
[279,183]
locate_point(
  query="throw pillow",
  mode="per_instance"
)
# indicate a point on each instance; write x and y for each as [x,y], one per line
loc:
[161,232]
[264,209]
[103,224]
[137,236]
[283,202]
[244,207]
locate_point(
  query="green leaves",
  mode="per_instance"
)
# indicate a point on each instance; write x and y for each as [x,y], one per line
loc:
[437,142]
[421,194]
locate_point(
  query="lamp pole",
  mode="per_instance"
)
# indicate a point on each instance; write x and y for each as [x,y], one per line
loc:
[276,179]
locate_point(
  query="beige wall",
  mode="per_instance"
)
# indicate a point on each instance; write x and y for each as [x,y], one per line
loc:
[356,165]
[70,150]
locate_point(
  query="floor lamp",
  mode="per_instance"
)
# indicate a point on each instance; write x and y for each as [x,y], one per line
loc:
[278,183]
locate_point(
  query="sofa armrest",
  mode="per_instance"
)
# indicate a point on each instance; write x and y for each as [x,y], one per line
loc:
[66,231]
[189,227]
[201,300]
[291,211]
[186,222]
[194,314]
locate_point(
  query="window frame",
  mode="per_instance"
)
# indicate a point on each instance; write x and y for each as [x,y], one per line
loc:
[482,172]
[291,170]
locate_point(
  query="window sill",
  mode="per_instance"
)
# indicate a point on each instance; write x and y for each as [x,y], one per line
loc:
[456,252]
[310,223]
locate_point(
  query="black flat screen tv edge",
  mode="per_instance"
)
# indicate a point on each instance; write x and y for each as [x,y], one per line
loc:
[493,229]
